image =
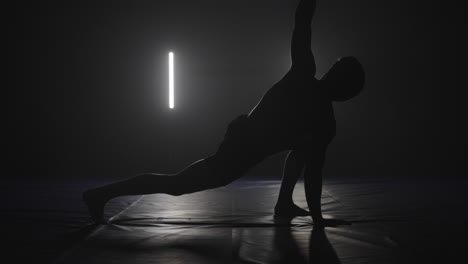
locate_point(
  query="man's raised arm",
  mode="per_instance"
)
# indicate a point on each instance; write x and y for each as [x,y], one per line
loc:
[301,52]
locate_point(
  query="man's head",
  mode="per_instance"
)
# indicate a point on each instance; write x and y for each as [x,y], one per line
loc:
[344,80]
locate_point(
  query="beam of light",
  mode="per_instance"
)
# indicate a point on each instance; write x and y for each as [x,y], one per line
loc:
[171,80]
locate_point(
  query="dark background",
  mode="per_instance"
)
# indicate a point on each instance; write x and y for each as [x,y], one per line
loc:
[86,88]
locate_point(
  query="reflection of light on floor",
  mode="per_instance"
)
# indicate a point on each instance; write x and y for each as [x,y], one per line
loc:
[171,80]
[237,221]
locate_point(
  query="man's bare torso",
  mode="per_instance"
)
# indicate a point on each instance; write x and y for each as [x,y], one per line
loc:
[295,110]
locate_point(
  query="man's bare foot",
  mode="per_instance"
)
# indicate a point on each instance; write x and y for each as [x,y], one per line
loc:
[95,204]
[290,210]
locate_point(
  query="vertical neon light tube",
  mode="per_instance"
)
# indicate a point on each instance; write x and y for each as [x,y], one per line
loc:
[171,80]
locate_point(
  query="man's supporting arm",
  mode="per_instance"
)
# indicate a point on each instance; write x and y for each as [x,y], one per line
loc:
[313,185]
[313,189]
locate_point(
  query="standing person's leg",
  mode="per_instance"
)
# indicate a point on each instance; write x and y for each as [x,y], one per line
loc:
[301,53]
[293,168]
[201,175]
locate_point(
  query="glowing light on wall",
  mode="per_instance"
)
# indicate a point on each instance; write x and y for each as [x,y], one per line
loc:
[171,80]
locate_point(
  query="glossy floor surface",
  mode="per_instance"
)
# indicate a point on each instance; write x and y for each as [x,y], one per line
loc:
[392,221]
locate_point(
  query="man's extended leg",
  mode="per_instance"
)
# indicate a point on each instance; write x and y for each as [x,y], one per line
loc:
[301,53]
[201,175]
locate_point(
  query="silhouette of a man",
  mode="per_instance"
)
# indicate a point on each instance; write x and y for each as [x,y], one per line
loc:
[295,115]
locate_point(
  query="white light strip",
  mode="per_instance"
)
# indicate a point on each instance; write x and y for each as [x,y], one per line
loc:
[171,80]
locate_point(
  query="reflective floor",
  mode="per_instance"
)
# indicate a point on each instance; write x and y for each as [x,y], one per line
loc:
[392,221]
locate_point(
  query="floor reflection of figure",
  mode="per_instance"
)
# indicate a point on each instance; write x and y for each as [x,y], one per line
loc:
[320,248]
[286,249]
[295,115]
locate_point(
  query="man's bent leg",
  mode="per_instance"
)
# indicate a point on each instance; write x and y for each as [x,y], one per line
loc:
[293,168]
